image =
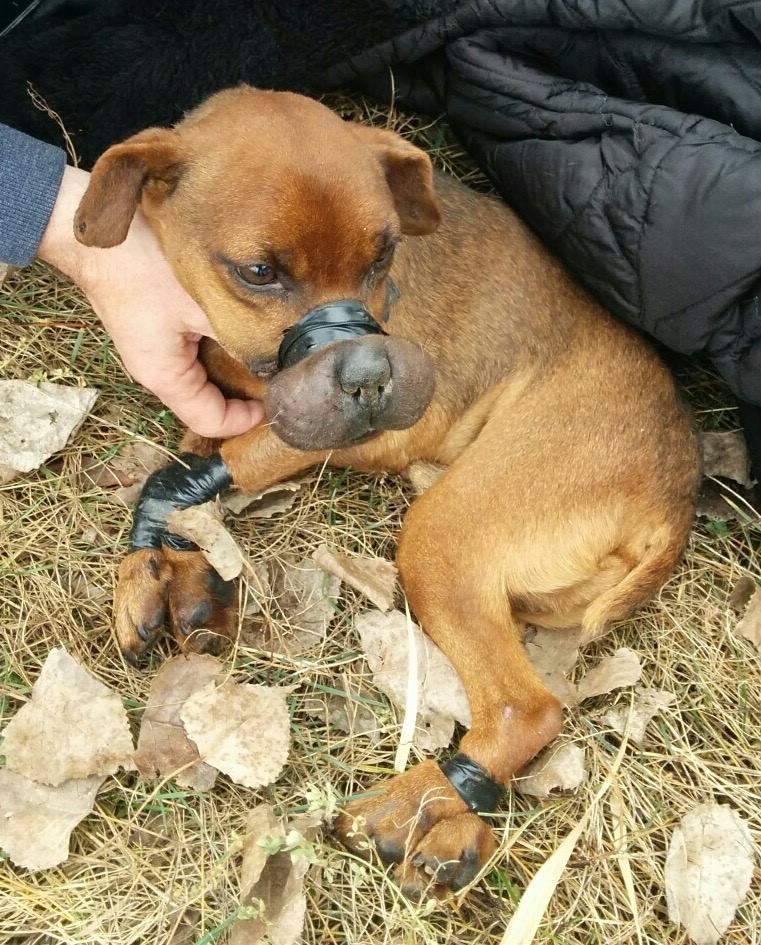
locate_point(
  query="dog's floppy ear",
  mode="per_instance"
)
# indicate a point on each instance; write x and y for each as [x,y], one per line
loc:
[152,159]
[409,175]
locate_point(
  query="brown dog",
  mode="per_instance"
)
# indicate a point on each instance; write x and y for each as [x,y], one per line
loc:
[572,465]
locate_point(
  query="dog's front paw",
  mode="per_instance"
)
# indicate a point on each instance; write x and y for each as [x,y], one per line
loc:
[421,823]
[160,587]
[140,601]
[201,612]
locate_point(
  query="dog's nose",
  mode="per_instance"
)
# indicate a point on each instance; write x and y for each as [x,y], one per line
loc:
[365,374]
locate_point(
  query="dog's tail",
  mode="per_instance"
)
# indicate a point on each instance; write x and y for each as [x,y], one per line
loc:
[661,553]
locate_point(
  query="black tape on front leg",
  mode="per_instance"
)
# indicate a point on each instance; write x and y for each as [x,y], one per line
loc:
[179,485]
[481,793]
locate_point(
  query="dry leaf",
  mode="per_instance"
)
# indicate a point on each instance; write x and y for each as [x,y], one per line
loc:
[241,729]
[126,472]
[73,726]
[633,721]
[36,820]
[344,713]
[163,748]
[558,768]
[553,653]
[741,593]
[259,586]
[203,525]
[373,577]
[37,420]
[725,455]
[442,699]
[272,885]
[708,871]
[621,669]
[4,272]
[717,500]
[750,625]
[423,475]
[307,597]
[276,498]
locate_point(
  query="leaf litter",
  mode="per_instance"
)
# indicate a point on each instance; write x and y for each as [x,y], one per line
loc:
[749,626]
[37,820]
[202,524]
[709,867]
[164,748]
[276,859]
[73,727]
[633,720]
[374,577]
[242,729]
[38,420]
[560,767]
[276,498]
[441,696]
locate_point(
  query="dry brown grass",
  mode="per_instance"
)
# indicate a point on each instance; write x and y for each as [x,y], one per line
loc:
[156,864]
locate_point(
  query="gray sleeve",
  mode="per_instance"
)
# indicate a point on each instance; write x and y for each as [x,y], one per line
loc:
[30,176]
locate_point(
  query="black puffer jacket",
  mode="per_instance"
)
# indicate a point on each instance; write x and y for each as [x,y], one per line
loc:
[626,132]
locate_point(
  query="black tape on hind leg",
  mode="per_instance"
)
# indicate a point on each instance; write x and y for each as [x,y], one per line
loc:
[179,485]
[481,793]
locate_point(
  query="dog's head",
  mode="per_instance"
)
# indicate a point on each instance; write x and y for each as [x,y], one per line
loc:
[271,209]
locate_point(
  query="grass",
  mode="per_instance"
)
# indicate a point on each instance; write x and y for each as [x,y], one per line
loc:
[157,864]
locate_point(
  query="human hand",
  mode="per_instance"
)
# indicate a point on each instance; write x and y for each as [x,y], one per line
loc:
[154,324]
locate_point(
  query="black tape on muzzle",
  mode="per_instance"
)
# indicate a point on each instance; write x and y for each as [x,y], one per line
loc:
[335,321]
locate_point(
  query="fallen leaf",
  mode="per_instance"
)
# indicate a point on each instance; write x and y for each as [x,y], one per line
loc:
[741,593]
[553,653]
[72,727]
[306,597]
[203,525]
[717,500]
[559,768]
[272,883]
[163,747]
[4,272]
[725,455]
[346,713]
[259,586]
[373,577]
[241,729]
[84,590]
[423,475]
[131,466]
[7,474]
[708,871]
[750,625]
[442,699]
[621,669]
[633,721]
[36,820]
[276,498]
[38,420]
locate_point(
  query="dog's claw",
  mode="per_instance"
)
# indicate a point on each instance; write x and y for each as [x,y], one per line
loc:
[131,657]
[198,617]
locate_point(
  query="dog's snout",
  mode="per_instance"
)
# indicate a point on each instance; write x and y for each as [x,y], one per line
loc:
[365,374]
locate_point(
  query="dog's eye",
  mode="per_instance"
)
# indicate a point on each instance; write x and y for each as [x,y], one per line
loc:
[255,274]
[380,266]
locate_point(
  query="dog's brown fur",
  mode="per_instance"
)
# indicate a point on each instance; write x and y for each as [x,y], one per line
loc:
[572,465]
